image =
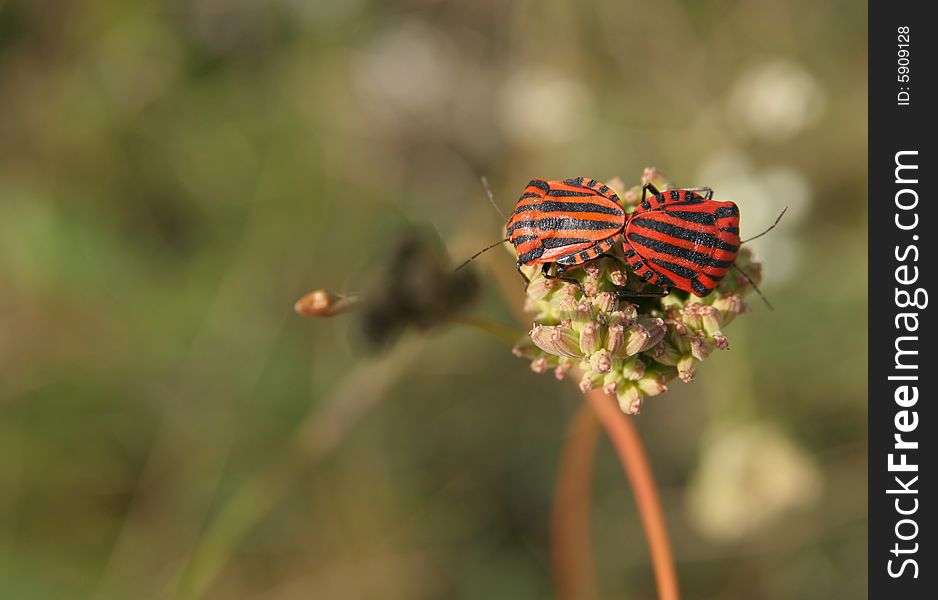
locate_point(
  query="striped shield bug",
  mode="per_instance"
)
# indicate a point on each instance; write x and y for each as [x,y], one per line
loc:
[678,238]
[673,239]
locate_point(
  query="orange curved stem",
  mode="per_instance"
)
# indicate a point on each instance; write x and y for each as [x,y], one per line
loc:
[629,447]
[571,551]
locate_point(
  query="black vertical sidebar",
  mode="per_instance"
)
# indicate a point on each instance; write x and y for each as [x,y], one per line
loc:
[903,235]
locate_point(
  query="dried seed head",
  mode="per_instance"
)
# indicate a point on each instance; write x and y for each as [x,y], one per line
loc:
[416,288]
[322,303]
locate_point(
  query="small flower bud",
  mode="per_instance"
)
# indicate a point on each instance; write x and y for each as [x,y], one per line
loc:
[691,316]
[539,365]
[729,306]
[611,382]
[643,335]
[678,327]
[566,306]
[526,348]
[615,338]
[687,368]
[700,348]
[590,380]
[590,338]
[636,337]
[563,367]
[592,270]
[601,361]
[633,369]
[539,288]
[712,320]
[559,340]
[630,399]
[666,353]
[583,312]
[617,276]
[590,288]
[605,302]
[632,196]
[655,177]
[617,185]
[630,311]
[721,342]
[653,384]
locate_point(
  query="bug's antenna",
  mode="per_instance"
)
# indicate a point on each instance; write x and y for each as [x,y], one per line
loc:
[487,248]
[488,191]
[771,227]
[755,287]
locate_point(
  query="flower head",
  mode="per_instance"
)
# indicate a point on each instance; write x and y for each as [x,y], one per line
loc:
[629,349]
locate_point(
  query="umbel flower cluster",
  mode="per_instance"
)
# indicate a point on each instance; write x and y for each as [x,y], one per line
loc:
[629,349]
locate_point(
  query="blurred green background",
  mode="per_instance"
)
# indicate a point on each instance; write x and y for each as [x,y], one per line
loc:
[174,174]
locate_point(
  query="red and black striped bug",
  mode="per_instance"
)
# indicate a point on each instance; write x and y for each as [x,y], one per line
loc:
[673,239]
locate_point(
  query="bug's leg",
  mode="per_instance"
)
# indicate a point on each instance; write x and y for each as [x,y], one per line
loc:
[545,273]
[623,294]
[527,281]
[649,188]
[708,192]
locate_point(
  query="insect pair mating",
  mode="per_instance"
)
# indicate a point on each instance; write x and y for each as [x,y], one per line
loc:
[673,239]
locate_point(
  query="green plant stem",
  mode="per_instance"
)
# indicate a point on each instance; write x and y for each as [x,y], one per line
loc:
[322,431]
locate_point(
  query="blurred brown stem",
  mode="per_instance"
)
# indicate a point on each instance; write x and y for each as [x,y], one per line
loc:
[629,447]
[571,552]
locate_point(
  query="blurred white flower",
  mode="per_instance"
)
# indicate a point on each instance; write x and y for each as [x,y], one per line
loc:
[749,477]
[541,106]
[776,100]
[761,196]
[407,70]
